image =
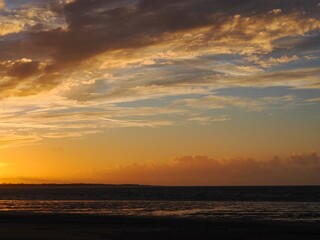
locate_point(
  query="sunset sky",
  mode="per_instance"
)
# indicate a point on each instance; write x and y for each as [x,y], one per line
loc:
[169,92]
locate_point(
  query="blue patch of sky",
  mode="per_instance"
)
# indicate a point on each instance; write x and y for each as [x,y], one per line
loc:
[296,65]
[301,111]
[298,44]
[100,86]
[301,63]
[230,58]
[17,4]
[158,101]
[158,74]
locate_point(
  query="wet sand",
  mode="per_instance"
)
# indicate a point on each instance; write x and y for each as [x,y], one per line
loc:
[72,227]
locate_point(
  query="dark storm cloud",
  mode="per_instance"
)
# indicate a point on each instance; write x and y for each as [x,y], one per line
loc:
[23,69]
[93,27]
[17,71]
[97,26]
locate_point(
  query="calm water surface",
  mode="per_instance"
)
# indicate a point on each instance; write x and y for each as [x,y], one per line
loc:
[256,203]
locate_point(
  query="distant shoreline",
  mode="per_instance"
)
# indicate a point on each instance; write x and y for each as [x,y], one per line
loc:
[69,185]
[139,185]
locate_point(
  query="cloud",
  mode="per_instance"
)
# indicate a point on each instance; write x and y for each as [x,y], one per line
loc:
[21,68]
[79,67]
[272,61]
[69,33]
[298,78]
[222,102]
[100,26]
[29,17]
[206,120]
[17,140]
[10,27]
[299,43]
[45,116]
[297,169]
[312,100]
[24,77]
[275,11]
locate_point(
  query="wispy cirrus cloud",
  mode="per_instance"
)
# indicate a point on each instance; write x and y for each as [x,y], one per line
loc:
[222,102]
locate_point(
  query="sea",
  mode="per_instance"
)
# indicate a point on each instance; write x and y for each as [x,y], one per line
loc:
[301,203]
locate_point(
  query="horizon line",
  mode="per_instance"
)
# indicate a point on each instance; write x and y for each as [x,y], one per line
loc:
[148,185]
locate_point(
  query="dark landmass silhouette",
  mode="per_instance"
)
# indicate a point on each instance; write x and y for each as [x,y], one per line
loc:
[69,185]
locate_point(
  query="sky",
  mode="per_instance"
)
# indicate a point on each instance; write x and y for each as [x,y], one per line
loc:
[163,92]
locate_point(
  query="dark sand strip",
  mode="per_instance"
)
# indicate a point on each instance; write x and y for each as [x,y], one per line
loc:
[72,227]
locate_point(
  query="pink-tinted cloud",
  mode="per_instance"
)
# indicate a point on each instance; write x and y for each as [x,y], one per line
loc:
[297,169]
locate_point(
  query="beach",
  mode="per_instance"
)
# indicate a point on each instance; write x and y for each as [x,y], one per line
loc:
[133,212]
[80,227]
